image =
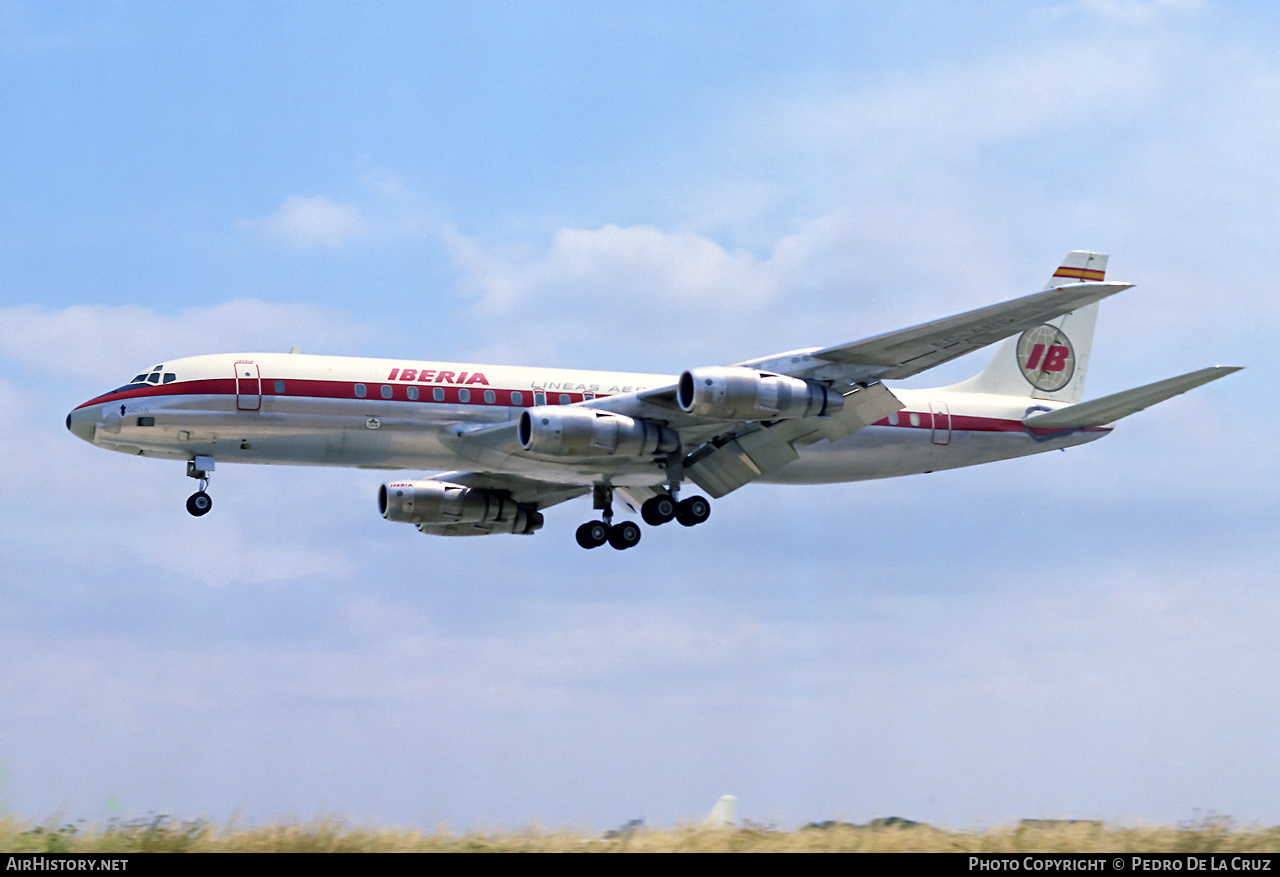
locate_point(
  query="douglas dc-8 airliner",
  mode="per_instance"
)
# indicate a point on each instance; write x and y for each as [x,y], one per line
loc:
[523,439]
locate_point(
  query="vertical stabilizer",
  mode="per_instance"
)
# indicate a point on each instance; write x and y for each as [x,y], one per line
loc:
[724,814]
[1049,361]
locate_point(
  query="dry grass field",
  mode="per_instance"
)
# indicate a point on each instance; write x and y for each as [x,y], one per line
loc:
[162,834]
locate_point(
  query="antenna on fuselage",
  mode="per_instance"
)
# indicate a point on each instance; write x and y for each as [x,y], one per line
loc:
[295,349]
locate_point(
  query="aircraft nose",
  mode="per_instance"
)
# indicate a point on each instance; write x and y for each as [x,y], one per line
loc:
[81,422]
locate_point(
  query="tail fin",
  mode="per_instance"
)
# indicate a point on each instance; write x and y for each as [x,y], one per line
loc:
[724,814]
[1049,361]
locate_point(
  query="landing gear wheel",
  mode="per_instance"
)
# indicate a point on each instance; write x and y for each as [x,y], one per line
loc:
[658,510]
[624,535]
[592,534]
[199,503]
[693,511]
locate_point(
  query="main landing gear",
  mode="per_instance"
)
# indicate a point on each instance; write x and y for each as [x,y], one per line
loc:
[593,534]
[655,511]
[200,502]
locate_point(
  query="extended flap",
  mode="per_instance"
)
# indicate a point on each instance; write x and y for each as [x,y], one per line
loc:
[863,407]
[722,469]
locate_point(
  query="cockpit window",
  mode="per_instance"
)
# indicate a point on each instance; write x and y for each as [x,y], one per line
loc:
[170,377]
[153,378]
[140,379]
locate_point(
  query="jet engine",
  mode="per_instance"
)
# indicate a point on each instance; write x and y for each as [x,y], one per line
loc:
[439,504]
[746,394]
[585,432]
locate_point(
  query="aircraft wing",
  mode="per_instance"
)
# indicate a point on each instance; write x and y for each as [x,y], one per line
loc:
[721,454]
[906,352]
[522,490]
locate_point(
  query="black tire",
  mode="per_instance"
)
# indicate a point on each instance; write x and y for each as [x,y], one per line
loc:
[658,510]
[693,511]
[199,503]
[625,535]
[592,534]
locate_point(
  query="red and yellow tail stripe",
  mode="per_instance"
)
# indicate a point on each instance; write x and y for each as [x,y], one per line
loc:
[1091,274]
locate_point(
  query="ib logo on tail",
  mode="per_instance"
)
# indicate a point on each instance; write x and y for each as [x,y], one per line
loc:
[1046,358]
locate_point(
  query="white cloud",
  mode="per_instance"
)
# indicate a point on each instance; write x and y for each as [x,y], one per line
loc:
[103,344]
[641,263]
[621,289]
[312,222]
[910,133]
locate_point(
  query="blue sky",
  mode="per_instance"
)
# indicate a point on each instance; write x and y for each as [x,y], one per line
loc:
[1084,634]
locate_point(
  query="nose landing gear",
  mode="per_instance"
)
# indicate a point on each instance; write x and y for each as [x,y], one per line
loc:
[200,503]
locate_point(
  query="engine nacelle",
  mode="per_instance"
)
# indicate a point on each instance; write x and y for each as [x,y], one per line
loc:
[439,503]
[586,432]
[746,394]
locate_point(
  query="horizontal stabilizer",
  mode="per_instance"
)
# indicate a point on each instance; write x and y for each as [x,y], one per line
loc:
[1111,408]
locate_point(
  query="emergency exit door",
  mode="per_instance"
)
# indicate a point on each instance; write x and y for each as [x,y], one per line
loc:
[248,386]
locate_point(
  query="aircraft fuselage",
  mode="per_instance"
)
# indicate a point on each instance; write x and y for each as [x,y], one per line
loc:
[293,409]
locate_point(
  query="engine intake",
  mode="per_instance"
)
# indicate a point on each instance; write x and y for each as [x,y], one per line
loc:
[586,432]
[746,394]
[439,503]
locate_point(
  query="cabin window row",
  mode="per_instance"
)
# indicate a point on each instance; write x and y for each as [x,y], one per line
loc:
[387,391]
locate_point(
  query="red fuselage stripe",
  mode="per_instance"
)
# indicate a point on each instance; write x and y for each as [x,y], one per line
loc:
[299,388]
[339,390]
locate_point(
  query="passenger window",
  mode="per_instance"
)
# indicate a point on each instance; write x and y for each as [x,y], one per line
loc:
[360,391]
[170,377]
[517,398]
[387,391]
[564,398]
[539,398]
[280,387]
[464,395]
[893,419]
[413,394]
[915,419]
[438,394]
[490,397]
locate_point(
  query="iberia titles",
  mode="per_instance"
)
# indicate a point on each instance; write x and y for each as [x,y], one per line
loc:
[431,376]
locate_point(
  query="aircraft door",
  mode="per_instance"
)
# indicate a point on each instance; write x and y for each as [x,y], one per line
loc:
[248,386]
[941,423]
